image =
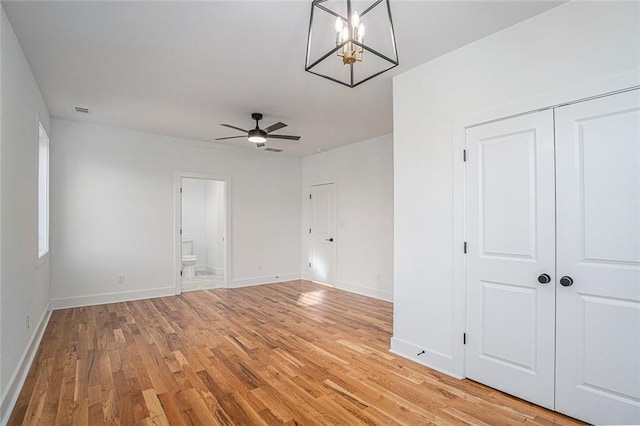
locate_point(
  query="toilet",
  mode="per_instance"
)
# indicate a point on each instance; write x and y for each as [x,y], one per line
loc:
[188,259]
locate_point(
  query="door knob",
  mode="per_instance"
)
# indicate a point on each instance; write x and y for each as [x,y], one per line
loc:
[328,239]
[566,281]
[544,279]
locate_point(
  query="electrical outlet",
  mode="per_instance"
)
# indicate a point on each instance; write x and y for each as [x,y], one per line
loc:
[120,278]
[28,322]
[259,266]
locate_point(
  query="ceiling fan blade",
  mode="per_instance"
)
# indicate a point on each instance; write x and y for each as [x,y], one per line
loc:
[230,137]
[234,127]
[260,145]
[293,138]
[274,127]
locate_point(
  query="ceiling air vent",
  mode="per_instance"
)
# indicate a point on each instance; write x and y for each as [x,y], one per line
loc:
[82,110]
[273,150]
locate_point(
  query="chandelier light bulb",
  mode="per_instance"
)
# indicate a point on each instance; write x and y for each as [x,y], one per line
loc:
[339,24]
[355,19]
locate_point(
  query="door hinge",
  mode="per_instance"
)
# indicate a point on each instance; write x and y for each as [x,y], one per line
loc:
[309,264]
[465,246]
[181,232]
[309,196]
[180,273]
[464,338]
[181,190]
[464,155]
[309,230]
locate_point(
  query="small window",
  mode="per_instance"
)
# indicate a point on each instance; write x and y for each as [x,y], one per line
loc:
[43,193]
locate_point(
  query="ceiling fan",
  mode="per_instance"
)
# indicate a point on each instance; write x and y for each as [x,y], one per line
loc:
[259,136]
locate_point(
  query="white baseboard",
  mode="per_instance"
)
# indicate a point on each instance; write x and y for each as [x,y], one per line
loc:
[101,299]
[269,279]
[411,351]
[322,284]
[365,291]
[356,288]
[10,396]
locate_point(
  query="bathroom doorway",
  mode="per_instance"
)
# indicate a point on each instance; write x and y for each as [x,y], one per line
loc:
[202,236]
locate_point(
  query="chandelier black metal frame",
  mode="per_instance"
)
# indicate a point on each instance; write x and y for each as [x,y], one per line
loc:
[350,44]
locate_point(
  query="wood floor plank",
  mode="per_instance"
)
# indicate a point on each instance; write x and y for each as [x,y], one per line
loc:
[156,412]
[287,353]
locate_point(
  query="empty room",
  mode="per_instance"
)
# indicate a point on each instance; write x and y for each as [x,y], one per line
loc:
[319,212]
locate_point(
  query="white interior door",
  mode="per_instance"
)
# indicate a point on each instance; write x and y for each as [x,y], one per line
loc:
[598,316]
[322,231]
[511,243]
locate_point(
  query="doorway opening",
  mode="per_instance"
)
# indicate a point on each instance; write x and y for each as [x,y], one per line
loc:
[202,252]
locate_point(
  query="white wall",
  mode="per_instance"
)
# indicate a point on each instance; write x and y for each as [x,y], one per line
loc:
[24,282]
[211,224]
[568,46]
[215,226]
[363,174]
[2,385]
[112,211]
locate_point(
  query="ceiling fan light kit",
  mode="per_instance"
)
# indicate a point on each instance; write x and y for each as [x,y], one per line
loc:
[336,46]
[257,136]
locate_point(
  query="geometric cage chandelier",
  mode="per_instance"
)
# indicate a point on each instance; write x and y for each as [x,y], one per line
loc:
[350,42]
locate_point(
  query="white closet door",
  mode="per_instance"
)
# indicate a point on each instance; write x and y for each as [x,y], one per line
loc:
[322,222]
[598,225]
[511,242]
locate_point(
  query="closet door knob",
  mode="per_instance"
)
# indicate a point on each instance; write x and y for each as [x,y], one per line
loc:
[544,279]
[566,281]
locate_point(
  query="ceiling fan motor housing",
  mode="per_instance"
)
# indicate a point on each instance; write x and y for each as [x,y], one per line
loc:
[257,133]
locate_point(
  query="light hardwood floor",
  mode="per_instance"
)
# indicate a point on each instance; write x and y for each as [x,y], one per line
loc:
[292,353]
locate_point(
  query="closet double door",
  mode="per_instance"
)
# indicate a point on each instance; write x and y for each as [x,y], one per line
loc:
[553,259]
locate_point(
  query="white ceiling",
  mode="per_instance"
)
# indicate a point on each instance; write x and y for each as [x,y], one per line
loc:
[182,68]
